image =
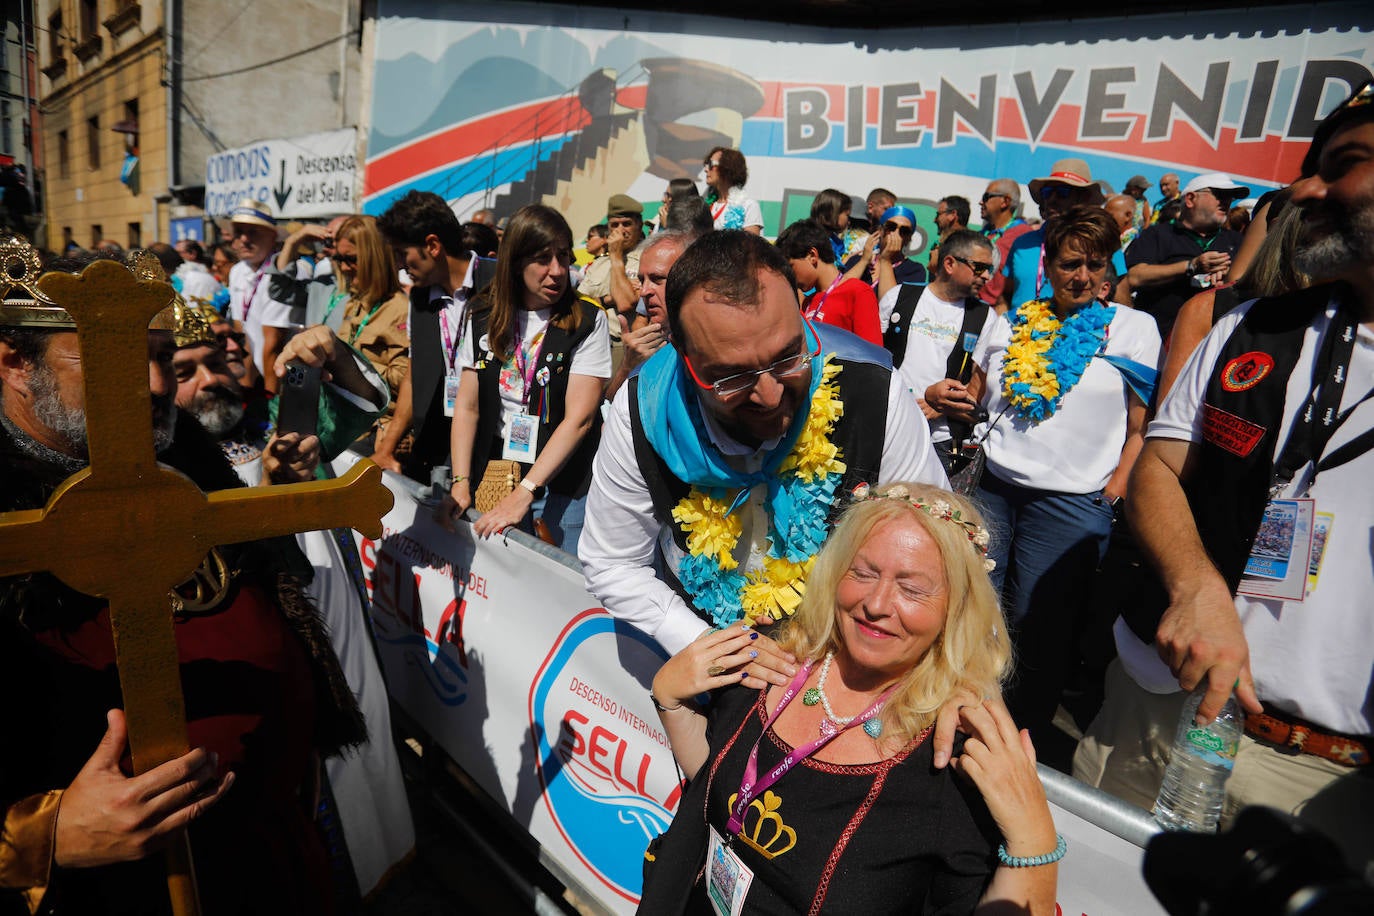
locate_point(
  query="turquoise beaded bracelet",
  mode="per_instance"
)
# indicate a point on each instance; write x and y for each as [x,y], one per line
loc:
[1027,861]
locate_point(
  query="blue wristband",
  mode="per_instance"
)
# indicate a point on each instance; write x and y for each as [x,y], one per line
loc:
[1048,858]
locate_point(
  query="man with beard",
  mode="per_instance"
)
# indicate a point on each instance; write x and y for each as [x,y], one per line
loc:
[264,693]
[1069,184]
[722,409]
[1272,415]
[367,785]
[1170,262]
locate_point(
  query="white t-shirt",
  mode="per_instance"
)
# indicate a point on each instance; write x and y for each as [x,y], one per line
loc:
[1076,449]
[736,211]
[930,336]
[251,304]
[1312,658]
[591,357]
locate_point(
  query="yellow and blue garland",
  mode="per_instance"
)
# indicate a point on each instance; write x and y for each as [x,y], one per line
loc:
[808,478]
[1046,356]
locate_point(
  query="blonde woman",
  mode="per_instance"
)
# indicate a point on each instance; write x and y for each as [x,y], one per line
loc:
[824,792]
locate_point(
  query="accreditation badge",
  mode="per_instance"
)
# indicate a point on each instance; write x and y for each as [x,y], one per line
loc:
[1321,533]
[522,439]
[1282,553]
[450,394]
[727,878]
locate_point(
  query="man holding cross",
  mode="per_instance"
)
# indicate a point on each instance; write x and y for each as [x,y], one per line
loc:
[264,694]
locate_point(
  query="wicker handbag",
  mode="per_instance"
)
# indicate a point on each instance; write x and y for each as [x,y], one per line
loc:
[499,480]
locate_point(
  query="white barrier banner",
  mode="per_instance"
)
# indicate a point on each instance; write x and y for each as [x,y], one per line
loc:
[543,698]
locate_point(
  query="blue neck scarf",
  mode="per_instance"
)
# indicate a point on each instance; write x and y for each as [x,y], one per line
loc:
[670,414]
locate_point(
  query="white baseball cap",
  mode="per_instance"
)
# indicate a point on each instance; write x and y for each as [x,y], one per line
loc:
[1216,181]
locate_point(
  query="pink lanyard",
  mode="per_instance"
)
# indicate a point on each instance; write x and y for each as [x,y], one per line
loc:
[814,311]
[450,345]
[752,786]
[253,292]
[525,366]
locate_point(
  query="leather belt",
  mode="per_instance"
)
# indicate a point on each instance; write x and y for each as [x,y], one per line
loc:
[1292,735]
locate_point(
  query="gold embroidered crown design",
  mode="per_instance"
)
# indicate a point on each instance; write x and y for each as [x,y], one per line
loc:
[780,838]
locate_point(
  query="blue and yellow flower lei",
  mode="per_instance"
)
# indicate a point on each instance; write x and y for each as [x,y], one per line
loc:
[1046,357]
[809,476]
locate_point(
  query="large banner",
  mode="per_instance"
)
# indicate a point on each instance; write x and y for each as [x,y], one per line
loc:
[503,105]
[543,698]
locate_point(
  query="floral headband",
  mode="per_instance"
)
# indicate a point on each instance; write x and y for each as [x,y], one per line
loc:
[936,508]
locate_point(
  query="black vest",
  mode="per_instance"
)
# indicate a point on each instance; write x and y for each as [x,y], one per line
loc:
[427,369]
[555,354]
[859,434]
[1228,488]
[959,363]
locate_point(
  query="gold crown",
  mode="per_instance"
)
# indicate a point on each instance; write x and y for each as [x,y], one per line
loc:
[782,835]
[189,323]
[22,303]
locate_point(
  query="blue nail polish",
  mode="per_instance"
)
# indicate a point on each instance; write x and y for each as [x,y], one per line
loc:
[754,653]
[743,675]
[753,636]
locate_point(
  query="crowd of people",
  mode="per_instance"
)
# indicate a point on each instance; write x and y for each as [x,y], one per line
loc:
[901,491]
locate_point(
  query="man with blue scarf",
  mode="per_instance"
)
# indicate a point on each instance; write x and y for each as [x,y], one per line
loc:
[703,496]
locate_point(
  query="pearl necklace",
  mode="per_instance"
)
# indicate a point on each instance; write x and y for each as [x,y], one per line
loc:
[833,723]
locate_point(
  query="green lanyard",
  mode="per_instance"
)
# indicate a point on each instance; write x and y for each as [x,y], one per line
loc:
[334,299]
[358,333]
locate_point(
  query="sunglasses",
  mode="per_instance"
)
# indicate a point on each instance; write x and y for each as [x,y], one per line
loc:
[732,386]
[349,259]
[1050,192]
[237,338]
[711,165]
[978,267]
[903,231]
[988,197]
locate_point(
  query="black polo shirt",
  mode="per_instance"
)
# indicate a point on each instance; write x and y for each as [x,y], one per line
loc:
[1170,244]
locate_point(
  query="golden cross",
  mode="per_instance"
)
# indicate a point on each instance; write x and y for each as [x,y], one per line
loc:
[82,535]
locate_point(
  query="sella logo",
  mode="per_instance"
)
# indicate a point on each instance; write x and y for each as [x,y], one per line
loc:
[608,776]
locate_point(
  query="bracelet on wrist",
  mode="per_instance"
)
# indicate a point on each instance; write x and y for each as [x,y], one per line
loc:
[461,478]
[1048,858]
[659,706]
[529,485]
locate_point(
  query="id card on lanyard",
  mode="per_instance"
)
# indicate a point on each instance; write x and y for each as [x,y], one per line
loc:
[728,877]
[450,344]
[816,310]
[522,435]
[1281,560]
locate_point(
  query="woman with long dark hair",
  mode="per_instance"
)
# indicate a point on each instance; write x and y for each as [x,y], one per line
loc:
[526,418]
[831,208]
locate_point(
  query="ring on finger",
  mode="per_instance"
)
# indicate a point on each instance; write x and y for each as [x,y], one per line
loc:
[715,671]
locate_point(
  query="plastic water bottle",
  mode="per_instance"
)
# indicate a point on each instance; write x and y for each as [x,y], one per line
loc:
[1203,755]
